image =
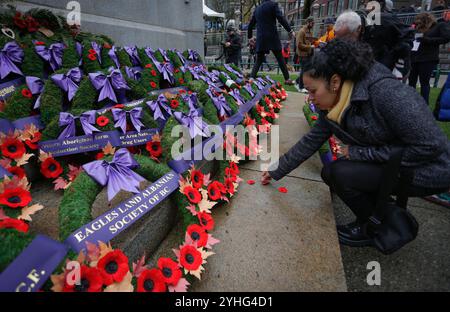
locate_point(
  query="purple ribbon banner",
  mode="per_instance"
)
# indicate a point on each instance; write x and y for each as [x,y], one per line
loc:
[4,172]
[7,126]
[133,138]
[8,88]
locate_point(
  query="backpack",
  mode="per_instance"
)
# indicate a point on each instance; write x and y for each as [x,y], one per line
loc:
[442,108]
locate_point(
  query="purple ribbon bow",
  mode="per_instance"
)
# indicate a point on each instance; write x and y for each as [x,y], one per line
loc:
[237,96]
[98,49]
[230,69]
[191,100]
[120,117]
[87,119]
[182,59]
[108,84]
[133,53]
[193,122]
[270,79]
[160,108]
[11,54]
[193,55]
[113,56]
[133,73]
[167,70]
[69,81]
[117,174]
[196,71]
[164,54]
[259,84]
[220,103]
[36,86]
[79,48]
[53,54]
[151,54]
[249,89]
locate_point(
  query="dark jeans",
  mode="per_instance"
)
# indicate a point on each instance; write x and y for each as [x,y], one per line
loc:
[423,71]
[260,58]
[299,80]
[358,183]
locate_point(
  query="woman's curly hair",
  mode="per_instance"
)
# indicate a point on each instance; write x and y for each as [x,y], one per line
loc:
[351,60]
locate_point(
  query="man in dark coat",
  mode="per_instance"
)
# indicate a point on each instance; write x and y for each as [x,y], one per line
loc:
[231,47]
[265,18]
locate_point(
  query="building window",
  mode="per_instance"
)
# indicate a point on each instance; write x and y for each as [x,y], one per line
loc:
[340,7]
[330,8]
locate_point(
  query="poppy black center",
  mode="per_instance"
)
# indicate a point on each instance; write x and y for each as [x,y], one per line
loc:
[52,167]
[213,192]
[204,222]
[196,178]
[84,285]
[189,258]
[195,236]
[154,147]
[148,285]
[191,195]
[12,148]
[14,199]
[111,267]
[167,272]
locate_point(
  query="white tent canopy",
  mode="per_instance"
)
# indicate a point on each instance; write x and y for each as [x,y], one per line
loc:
[211,13]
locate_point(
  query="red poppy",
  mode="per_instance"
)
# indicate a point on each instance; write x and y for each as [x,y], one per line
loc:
[250,182]
[92,51]
[182,91]
[90,281]
[92,57]
[229,185]
[11,223]
[176,70]
[230,174]
[314,117]
[234,167]
[107,45]
[113,267]
[282,190]
[190,258]
[50,168]
[198,234]
[99,156]
[181,81]
[197,178]
[214,192]
[170,271]
[151,281]
[17,171]
[13,148]
[174,104]
[153,84]
[206,221]
[27,93]
[192,194]
[119,106]
[154,148]
[19,21]
[33,142]
[220,186]
[32,24]
[15,198]
[39,43]
[102,121]
[153,72]
[148,66]
[189,92]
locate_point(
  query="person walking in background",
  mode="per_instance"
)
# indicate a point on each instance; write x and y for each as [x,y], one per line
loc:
[425,53]
[265,18]
[305,49]
[231,47]
[252,52]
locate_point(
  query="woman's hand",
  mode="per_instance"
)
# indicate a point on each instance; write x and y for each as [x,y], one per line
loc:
[265,179]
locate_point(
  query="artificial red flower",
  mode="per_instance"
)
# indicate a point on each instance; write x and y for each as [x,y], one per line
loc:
[148,66]
[102,121]
[229,185]
[230,174]
[151,281]
[206,221]
[192,194]
[90,281]
[19,21]
[197,178]
[33,142]
[50,168]
[170,271]
[154,148]
[39,43]
[182,91]
[214,192]
[113,267]
[181,81]
[92,51]
[27,93]
[119,106]
[92,57]
[99,156]
[198,234]
[15,198]
[153,84]
[176,70]
[314,117]
[107,45]
[220,186]
[190,258]
[250,182]
[234,167]
[189,92]
[282,190]
[153,72]
[32,24]
[13,148]
[174,104]
[17,171]
[11,223]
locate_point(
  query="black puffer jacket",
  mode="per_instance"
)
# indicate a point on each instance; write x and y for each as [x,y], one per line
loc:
[429,45]
[383,113]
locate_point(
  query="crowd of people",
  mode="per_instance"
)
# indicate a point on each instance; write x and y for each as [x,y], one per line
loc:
[356,74]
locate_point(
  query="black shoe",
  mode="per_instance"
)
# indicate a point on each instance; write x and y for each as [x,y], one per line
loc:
[354,234]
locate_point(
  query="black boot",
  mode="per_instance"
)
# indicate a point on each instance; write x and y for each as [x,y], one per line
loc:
[354,234]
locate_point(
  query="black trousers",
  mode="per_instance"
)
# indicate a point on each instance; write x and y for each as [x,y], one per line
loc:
[423,71]
[358,183]
[260,58]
